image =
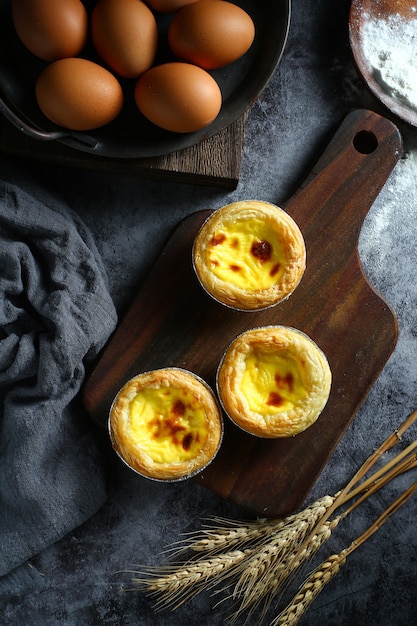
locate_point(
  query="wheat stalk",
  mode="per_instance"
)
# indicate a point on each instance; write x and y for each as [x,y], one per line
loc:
[178,584]
[256,560]
[182,580]
[262,583]
[325,572]
[267,569]
[357,487]
[228,533]
[316,582]
[267,573]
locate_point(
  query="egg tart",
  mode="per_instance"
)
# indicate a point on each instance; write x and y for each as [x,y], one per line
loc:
[166,424]
[273,381]
[249,255]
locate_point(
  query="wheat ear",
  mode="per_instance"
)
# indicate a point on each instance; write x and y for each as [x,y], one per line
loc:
[181,580]
[224,533]
[265,574]
[176,584]
[267,554]
[325,572]
[355,486]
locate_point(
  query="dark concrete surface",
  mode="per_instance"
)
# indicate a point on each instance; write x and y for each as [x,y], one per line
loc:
[80,580]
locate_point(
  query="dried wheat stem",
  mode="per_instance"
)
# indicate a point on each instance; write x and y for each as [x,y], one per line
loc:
[215,538]
[315,583]
[396,469]
[275,553]
[345,494]
[386,445]
[256,559]
[385,515]
[389,442]
[265,582]
[224,533]
[391,465]
[178,584]
[277,561]
[377,480]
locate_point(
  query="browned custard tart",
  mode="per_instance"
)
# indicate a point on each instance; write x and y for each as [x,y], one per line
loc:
[166,424]
[273,381]
[249,255]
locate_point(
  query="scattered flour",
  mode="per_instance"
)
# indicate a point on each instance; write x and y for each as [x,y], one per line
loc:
[387,239]
[390,46]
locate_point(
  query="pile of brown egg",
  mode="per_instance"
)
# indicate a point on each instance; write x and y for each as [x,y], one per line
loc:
[79,93]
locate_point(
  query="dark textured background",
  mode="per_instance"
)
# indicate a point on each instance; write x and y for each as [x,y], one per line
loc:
[79,580]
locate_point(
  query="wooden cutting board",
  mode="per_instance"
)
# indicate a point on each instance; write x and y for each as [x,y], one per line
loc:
[172,322]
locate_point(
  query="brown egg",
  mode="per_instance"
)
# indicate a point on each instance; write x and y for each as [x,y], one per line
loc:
[179,97]
[78,94]
[51,30]
[211,33]
[168,6]
[125,35]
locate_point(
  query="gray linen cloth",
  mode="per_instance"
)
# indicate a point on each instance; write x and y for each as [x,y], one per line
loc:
[55,315]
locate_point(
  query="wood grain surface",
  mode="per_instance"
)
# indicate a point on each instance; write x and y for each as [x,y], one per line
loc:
[172,322]
[215,161]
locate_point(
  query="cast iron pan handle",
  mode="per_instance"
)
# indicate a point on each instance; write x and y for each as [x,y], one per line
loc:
[42,134]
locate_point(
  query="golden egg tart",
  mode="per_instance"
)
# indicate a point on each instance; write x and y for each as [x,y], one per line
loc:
[273,381]
[249,255]
[166,424]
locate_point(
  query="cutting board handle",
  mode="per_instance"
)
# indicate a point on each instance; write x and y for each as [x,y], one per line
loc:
[347,178]
[333,201]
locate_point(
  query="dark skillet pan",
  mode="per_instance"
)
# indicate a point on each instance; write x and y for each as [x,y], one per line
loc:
[131,135]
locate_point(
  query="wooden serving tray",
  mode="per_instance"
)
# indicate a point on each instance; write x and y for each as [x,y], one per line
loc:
[173,322]
[216,161]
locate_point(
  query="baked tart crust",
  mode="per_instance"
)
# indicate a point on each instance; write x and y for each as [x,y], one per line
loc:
[166,424]
[273,381]
[249,255]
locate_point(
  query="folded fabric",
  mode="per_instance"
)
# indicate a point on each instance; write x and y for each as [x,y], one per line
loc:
[55,315]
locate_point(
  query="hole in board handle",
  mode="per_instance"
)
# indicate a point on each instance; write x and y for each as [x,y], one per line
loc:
[365,142]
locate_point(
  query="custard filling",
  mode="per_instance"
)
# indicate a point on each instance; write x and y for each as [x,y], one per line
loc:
[271,381]
[247,254]
[168,424]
